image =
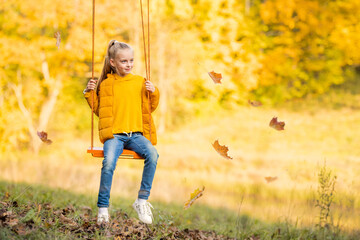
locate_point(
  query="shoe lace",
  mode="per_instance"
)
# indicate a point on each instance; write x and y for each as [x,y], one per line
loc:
[148,209]
[145,209]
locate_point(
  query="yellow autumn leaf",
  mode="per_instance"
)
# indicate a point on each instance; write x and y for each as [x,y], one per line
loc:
[193,196]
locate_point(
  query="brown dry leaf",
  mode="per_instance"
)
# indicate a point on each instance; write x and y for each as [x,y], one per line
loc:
[47,225]
[58,212]
[21,229]
[222,150]
[58,39]
[4,214]
[276,125]
[193,196]
[13,222]
[254,237]
[67,221]
[69,209]
[254,103]
[270,179]
[47,206]
[43,137]
[216,77]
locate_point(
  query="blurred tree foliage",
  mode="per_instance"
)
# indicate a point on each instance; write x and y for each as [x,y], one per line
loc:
[272,50]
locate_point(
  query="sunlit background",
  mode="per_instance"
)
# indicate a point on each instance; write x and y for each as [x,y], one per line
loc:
[299,58]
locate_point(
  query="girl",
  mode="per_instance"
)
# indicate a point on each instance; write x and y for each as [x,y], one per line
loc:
[121,101]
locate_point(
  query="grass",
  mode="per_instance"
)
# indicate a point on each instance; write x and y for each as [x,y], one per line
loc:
[45,213]
[317,130]
[188,161]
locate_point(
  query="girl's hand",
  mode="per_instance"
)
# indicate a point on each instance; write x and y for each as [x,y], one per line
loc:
[149,86]
[91,85]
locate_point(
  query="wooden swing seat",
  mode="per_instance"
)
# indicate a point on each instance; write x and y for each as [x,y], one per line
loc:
[127,154]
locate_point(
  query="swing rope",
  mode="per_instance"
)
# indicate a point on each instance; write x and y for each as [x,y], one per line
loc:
[128,153]
[146,56]
[92,74]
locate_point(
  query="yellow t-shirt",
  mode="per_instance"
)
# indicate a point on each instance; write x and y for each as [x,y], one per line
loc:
[127,104]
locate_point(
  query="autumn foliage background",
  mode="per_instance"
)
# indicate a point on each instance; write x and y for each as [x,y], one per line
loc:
[300,58]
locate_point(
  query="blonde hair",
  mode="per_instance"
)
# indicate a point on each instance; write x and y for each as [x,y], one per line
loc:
[113,48]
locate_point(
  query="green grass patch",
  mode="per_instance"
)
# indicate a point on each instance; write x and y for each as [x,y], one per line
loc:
[38,212]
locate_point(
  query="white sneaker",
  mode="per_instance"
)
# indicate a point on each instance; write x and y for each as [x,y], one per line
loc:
[103,216]
[144,211]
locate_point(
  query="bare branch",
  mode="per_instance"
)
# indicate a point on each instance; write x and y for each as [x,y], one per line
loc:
[48,106]
[19,97]
[18,93]
[45,70]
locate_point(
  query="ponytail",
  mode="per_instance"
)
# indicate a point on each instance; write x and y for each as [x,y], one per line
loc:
[113,47]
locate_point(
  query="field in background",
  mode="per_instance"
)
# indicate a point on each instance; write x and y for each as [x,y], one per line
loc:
[188,161]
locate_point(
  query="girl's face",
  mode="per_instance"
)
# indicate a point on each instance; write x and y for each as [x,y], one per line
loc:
[123,62]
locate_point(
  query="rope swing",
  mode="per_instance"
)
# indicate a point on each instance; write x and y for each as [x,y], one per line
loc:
[127,154]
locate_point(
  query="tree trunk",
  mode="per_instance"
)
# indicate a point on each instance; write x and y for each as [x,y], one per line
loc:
[54,86]
[34,139]
[247,7]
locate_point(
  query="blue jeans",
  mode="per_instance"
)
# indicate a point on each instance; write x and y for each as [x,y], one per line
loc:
[112,150]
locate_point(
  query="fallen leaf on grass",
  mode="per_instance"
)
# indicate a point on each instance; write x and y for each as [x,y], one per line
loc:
[253,237]
[12,222]
[254,103]
[58,39]
[7,195]
[44,137]
[69,209]
[277,125]
[48,224]
[216,77]
[120,227]
[270,179]
[67,221]
[222,150]
[3,214]
[47,206]
[21,229]
[195,195]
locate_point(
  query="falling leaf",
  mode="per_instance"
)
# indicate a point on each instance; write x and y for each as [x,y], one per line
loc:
[270,179]
[58,39]
[276,125]
[195,195]
[43,137]
[254,103]
[216,77]
[222,150]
